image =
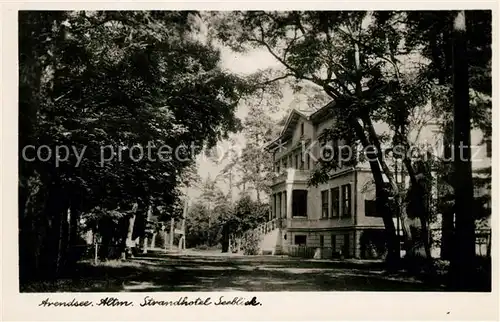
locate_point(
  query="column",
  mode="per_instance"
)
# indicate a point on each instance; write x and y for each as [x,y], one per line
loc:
[273,207]
[278,206]
[289,201]
[283,204]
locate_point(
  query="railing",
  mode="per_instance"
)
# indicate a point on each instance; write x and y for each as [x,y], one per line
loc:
[314,252]
[291,174]
[482,240]
[280,176]
[264,228]
[267,227]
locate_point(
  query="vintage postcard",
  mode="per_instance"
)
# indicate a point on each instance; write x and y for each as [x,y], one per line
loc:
[249,161]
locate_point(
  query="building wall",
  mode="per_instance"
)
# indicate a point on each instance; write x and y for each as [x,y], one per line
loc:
[362,229]
[315,197]
[328,248]
[323,125]
[308,130]
[366,191]
[293,145]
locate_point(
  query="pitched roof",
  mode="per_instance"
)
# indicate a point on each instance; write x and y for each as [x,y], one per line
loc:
[291,121]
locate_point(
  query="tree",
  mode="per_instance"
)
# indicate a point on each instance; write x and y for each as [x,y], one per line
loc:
[104,82]
[352,57]
[369,64]
[462,268]
[247,165]
[197,225]
[245,215]
[258,130]
[459,47]
[216,204]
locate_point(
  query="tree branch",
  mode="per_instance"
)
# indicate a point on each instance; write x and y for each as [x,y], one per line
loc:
[295,71]
[359,42]
[298,23]
[290,44]
[274,80]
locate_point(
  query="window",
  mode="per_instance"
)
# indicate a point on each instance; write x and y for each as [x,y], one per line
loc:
[334,244]
[335,201]
[308,161]
[299,203]
[346,200]
[321,241]
[285,165]
[301,129]
[300,240]
[277,167]
[324,204]
[371,208]
[296,162]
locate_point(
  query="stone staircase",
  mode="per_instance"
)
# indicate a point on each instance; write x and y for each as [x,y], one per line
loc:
[270,232]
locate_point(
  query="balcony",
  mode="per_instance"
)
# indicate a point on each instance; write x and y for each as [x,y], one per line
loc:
[306,223]
[291,175]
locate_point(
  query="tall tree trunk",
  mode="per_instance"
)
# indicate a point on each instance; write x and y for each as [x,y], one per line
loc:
[145,240]
[30,75]
[172,231]
[153,240]
[231,185]
[382,198]
[55,214]
[447,234]
[73,252]
[382,202]
[62,249]
[396,193]
[165,240]
[225,239]
[130,232]
[32,230]
[462,263]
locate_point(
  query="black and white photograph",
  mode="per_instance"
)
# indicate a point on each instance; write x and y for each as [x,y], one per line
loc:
[253,151]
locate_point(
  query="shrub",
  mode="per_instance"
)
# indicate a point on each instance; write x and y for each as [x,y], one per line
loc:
[251,243]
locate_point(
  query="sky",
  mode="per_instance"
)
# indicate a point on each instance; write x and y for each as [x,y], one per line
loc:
[243,64]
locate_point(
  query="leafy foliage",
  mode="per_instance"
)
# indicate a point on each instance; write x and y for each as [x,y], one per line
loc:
[376,67]
[104,81]
[251,243]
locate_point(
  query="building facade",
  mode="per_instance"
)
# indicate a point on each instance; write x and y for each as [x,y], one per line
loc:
[336,218]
